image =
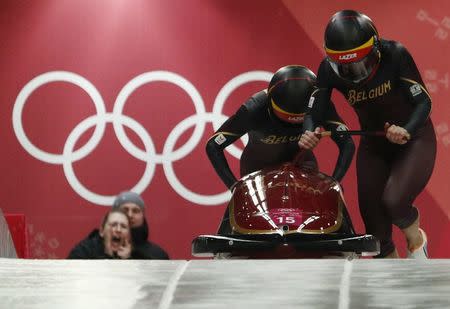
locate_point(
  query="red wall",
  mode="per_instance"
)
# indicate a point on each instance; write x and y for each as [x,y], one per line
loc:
[69,67]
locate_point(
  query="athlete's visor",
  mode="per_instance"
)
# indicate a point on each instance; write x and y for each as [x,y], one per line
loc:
[357,64]
[294,118]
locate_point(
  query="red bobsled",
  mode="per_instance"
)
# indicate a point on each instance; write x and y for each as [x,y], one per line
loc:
[286,212]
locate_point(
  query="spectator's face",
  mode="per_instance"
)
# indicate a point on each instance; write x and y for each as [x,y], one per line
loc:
[134,213]
[116,232]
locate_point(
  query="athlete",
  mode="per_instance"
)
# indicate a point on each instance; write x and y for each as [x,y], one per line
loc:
[273,120]
[381,82]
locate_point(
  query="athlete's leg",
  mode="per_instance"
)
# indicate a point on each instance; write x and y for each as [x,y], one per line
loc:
[411,170]
[392,255]
[372,173]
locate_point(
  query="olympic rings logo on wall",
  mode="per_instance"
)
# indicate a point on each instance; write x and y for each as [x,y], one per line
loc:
[118,119]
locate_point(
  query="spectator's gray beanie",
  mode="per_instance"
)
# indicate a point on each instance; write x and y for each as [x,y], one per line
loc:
[128,197]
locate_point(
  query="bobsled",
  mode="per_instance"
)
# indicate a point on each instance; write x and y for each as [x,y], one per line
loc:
[287,211]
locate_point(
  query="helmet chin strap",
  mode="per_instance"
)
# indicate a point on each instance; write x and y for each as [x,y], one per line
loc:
[374,70]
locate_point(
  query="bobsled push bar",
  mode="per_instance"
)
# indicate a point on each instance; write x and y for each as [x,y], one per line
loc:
[336,133]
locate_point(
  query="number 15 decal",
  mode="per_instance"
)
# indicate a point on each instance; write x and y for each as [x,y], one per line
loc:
[289,220]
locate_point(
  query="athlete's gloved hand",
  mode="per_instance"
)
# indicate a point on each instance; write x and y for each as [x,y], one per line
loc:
[309,139]
[396,134]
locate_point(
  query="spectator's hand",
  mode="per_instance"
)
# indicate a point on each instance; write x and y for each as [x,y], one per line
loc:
[396,134]
[309,139]
[124,251]
[108,246]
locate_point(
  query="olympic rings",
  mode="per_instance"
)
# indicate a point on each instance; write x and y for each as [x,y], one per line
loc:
[118,120]
[55,77]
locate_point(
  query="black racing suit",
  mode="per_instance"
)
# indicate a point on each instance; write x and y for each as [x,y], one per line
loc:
[390,176]
[270,140]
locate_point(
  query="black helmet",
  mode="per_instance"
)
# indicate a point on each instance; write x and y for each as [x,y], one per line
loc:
[352,45]
[289,91]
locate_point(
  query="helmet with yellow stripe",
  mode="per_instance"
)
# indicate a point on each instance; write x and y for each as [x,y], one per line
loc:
[352,45]
[289,91]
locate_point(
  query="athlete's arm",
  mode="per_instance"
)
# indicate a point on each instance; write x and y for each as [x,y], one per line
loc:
[415,89]
[318,107]
[345,143]
[228,133]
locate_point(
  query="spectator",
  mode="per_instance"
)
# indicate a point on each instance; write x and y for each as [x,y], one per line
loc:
[112,241]
[133,205]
